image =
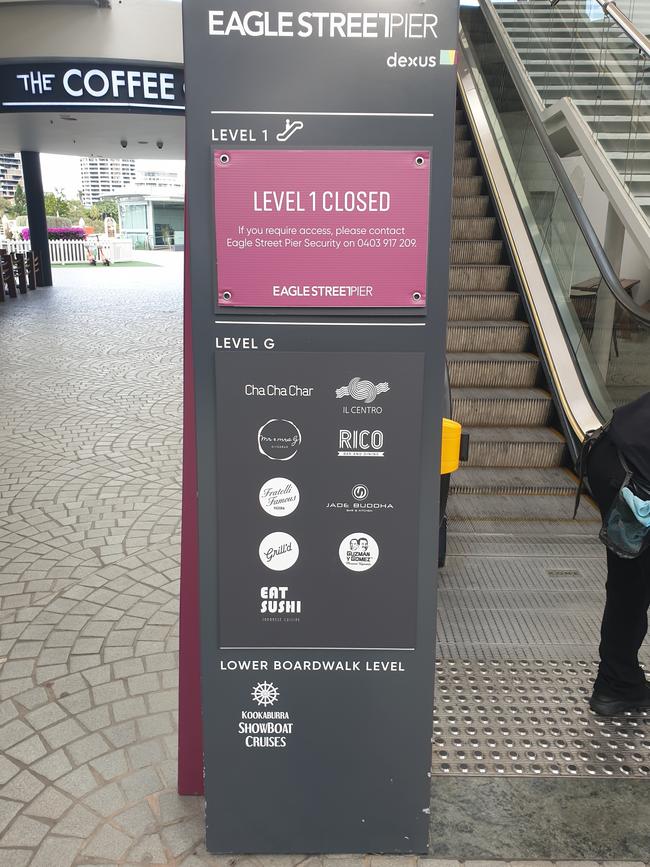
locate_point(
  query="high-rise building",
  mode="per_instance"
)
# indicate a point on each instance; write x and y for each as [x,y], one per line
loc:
[11,175]
[101,176]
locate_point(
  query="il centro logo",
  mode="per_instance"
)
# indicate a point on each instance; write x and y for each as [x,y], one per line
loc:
[362,389]
[279,439]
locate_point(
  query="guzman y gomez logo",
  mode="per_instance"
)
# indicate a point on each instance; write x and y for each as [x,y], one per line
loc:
[278,439]
[358,552]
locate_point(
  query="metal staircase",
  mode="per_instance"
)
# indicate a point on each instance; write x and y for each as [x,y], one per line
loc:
[574,50]
[498,388]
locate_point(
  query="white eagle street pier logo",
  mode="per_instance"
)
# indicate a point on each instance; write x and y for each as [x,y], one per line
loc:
[362,390]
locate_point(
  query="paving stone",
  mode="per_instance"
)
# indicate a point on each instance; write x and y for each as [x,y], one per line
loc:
[28,751]
[56,852]
[129,708]
[182,836]
[63,733]
[51,804]
[24,832]
[137,821]
[78,782]
[149,850]
[16,857]
[23,787]
[108,843]
[107,800]
[8,810]
[53,766]
[77,822]
[7,769]
[140,784]
[87,748]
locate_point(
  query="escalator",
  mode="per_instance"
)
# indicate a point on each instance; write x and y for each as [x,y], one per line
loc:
[543,342]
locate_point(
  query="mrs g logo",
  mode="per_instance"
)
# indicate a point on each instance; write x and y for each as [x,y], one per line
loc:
[279,439]
[279,497]
[362,390]
[278,551]
[358,552]
[361,443]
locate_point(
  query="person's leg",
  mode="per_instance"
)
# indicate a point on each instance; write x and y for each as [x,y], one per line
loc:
[625,619]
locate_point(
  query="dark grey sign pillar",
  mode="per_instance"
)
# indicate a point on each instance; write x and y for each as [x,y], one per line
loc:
[319,170]
[36,217]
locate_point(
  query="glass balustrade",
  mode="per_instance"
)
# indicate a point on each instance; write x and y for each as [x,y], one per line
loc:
[611,345]
[575,50]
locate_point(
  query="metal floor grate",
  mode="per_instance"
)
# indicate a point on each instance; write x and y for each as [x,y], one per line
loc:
[530,718]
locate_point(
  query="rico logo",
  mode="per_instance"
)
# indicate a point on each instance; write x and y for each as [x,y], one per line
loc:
[361,443]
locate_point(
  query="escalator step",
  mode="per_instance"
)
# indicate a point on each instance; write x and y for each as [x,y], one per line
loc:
[473,228]
[501,407]
[476,252]
[462,132]
[470,206]
[479,278]
[502,306]
[465,167]
[555,481]
[468,186]
[487,336]
[514,447]
[463,148]
[492,370]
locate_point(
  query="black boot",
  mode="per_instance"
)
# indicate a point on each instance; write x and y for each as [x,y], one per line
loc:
[608,705]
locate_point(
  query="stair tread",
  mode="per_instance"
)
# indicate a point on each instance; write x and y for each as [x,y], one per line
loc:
[470,393]
[516,477]
[517,357]
[481,292]
[513,434]
[488,323]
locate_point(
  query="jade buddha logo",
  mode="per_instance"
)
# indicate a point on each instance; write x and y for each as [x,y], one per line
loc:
[279,439]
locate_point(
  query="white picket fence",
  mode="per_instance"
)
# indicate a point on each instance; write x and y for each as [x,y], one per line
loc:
[67,251]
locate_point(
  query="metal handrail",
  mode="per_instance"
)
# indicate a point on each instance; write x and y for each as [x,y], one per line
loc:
[591,238]
[640,39]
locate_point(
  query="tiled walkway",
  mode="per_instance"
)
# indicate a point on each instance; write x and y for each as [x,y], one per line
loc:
[90,399]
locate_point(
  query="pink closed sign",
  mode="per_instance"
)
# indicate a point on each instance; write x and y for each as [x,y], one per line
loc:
[321,228]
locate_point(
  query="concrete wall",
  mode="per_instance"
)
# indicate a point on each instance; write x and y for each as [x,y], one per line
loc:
[138,29]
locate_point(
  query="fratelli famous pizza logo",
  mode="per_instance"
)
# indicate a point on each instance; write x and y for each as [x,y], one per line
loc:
[279,439]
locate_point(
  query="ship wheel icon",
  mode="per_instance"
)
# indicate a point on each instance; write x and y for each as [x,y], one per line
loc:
[265,694]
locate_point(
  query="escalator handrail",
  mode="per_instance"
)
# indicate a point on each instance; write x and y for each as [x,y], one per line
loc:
[591,238]
[631,31]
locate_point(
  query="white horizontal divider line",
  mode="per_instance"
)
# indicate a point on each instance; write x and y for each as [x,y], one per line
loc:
[271,321]
[333,113]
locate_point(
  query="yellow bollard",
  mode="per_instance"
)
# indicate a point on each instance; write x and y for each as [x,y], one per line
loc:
[450,447]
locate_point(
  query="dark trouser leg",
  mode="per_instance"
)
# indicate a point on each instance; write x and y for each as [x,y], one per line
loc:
[625,619]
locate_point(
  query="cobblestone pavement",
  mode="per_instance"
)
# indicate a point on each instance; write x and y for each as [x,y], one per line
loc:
[90,424]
